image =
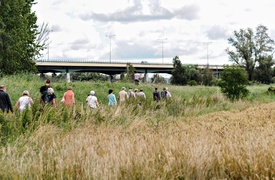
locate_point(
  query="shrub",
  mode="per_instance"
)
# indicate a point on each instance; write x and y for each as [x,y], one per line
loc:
[192,83]
[233,82]
[271,89]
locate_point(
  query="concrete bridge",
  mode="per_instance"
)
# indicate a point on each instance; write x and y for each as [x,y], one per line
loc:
[116,67]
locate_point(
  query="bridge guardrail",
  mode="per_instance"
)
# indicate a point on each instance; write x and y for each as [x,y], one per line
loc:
[96,61]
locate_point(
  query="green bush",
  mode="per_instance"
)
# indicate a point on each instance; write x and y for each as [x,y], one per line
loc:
[233,82]
[192,83]
[271,89]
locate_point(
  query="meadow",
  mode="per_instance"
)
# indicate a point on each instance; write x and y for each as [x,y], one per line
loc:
[198,134]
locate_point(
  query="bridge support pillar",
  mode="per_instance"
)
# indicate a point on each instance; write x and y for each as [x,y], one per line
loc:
[145,76]
[42,76]
[111,78]
[68,77]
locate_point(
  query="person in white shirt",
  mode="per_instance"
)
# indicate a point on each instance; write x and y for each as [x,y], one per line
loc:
[91,100]
[141,94]
[168,94]
[131,93]
[24,101]
[136,78]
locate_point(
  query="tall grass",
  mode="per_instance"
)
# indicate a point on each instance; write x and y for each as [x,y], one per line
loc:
[198,134]
[224,145]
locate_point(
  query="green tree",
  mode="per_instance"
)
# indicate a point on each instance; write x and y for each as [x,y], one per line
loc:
[264,71]
[193,74]
[87,76]
[130,71]
[250,48]
[233,82]
[157,79]
[207,77]
[4,42]
[18,36]
[178,73]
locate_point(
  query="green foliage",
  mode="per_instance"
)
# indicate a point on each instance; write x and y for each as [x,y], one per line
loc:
[178,73]
[251,49]
[61,87]
[18,32]
[130,71]
[192,83]
[207,77]
[186,101]
[271,89]
[193,74]
[181,75]
[233,82]
[86,76]
[157,79]
[54,143]
[264,71]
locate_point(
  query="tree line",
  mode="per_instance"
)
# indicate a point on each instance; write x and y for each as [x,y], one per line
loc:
[251,50]
[22,41]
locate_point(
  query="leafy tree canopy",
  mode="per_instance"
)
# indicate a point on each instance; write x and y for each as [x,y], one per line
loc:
[207,77]
[157,79]
[130,71]
[178,73]
[250,47]
[233,82]
[18,31]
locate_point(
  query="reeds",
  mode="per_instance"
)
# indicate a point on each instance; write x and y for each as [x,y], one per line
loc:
[224,145]
[191,136]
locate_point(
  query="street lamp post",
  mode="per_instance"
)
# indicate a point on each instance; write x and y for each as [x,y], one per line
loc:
[110,37]
[207,46]
[162,47]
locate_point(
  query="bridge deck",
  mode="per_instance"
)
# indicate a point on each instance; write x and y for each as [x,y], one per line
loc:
[107,67]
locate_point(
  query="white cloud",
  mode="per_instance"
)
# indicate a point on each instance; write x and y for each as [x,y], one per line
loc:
[80,27]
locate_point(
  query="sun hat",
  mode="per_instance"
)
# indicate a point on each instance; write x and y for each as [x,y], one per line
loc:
[92,92]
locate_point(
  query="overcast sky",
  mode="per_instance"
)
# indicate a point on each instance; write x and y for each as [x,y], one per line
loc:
[149,29]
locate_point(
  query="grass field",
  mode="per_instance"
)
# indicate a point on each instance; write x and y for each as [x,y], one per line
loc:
[198,134]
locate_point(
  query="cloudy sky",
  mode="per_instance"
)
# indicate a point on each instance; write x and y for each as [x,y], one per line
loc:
[149,30]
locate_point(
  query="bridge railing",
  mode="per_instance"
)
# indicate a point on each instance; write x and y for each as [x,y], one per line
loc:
[123,62]
[100,61]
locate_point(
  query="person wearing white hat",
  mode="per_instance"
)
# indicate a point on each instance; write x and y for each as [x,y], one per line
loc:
[24,101]
[91,100]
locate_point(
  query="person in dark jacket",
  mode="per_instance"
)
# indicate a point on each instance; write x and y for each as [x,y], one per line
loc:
[49,97]
[5,101]
[156,95]
[43,89]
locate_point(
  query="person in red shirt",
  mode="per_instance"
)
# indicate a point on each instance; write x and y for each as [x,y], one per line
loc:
[68,97]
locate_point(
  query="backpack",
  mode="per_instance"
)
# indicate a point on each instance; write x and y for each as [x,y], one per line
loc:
[163,94]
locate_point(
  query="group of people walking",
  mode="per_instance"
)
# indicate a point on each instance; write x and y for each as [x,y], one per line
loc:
[5,102]
[124,96]
[48,97]
[25,101]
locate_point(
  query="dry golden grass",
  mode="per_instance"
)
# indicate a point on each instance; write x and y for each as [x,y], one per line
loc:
[235,144]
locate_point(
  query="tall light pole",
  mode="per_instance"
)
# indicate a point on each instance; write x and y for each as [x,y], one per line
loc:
[162,47]
[207,46]
[110,37]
